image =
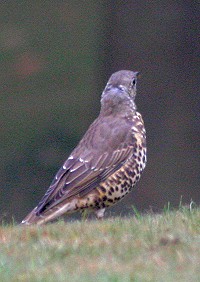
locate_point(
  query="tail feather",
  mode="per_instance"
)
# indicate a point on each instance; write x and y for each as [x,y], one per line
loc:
[49,214]
[33,218]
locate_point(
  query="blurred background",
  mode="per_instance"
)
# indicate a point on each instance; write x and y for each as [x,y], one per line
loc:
[56,57]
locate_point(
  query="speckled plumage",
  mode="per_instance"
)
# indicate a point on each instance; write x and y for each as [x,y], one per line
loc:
[107,162]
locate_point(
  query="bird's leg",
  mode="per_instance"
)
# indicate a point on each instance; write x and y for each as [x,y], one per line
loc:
[84,214]
[100,214]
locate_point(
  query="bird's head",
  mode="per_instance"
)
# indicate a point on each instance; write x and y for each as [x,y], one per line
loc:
[123,80]
[120,89]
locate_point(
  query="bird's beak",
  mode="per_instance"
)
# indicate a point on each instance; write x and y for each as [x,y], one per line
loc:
[138,74]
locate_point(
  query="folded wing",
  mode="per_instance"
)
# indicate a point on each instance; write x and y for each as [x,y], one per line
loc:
[90,163]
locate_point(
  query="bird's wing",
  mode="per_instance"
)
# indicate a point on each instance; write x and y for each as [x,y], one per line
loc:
[87,166]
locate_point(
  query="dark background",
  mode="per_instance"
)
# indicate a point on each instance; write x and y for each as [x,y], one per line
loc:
[56,58]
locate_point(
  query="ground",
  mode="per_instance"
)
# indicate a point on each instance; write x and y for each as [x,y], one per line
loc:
[151,247]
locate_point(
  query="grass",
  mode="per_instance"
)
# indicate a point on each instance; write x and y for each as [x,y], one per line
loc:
[153,247]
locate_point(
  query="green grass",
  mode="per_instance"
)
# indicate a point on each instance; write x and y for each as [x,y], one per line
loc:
[154,247]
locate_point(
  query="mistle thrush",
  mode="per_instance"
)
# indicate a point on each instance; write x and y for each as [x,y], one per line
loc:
[107,162]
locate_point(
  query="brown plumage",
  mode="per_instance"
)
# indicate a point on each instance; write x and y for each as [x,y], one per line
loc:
[107,162]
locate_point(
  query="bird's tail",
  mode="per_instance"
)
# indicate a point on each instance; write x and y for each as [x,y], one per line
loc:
[50,214]
[32,218]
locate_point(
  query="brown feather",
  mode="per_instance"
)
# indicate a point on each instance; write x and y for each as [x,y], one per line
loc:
[82,174]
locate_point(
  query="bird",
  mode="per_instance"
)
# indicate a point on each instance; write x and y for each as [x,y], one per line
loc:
[107,162]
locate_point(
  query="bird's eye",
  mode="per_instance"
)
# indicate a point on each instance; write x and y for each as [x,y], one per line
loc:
[133,82]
